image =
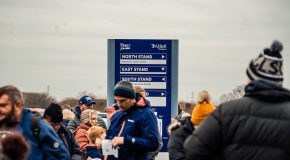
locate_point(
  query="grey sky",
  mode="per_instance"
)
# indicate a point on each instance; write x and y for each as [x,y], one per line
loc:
[63,44]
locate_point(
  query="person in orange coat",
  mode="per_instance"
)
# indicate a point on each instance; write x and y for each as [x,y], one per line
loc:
[202,109]
[88,119]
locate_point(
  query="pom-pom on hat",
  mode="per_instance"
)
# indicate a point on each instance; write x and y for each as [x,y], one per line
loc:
[268,66]
[124,89]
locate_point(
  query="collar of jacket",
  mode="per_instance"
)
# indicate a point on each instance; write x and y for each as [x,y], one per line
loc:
[138,105]
[84,126]
[25,118]
[188,124]
[78,111]
[267,92]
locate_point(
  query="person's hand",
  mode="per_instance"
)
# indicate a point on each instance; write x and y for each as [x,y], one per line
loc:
[117,141]
[98,143]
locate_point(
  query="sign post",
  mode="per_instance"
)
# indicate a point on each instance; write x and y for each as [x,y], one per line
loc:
[152,65]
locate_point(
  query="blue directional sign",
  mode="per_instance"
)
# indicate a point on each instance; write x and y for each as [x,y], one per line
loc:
[143,78]
[142,69]
[156,93]
[151,64]
[146,56]
[143,58]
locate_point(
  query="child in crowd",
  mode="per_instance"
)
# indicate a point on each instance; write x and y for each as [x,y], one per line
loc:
[67,116]
[91,150]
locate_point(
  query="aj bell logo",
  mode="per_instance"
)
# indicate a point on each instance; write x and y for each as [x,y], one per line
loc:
[125,46]
[159,46]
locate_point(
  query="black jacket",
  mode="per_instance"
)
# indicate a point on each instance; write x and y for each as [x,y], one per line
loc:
[256,126]
[70,143]
[177,138]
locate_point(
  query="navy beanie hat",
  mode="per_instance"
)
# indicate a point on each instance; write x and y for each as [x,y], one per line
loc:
[124,89]
[54,113]
[268,65]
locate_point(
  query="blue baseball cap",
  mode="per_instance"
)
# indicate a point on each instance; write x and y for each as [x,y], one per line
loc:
[86,100]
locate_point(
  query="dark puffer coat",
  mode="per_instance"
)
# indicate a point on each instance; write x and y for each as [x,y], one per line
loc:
[177,138]
[70,143]
[254,127]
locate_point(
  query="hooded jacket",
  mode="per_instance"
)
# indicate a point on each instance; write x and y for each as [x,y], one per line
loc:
[200,111]
[48,146]
[253,127]
[140,132]
[81,137]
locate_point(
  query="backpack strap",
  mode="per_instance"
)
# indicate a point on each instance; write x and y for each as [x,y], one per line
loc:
[35,128]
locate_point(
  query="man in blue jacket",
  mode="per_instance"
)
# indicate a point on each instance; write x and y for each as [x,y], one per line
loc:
[133,128]
[53,116]
[44,142]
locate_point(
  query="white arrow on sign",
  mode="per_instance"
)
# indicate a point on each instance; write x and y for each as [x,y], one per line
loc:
[163,68]
[163,79]
[162,94]
[162,56]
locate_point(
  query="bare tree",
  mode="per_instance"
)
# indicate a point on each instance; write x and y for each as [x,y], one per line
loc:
[37,100]
[71,101]
[85,93]
[236,93]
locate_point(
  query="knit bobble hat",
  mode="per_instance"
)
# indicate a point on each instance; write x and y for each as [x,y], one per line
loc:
[268,66]
[124,89]
[54,113]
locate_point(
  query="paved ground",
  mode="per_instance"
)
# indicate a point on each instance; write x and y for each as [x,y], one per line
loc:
[162,156]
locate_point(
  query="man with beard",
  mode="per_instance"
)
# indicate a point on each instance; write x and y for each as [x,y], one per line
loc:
[43,140]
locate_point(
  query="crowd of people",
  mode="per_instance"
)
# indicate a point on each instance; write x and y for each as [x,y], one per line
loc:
[254,126]
[62,134]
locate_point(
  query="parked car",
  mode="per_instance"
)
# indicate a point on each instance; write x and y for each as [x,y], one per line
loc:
[104,117]
[38,112]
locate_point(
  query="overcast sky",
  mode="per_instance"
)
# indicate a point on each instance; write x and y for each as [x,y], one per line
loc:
[63,43]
